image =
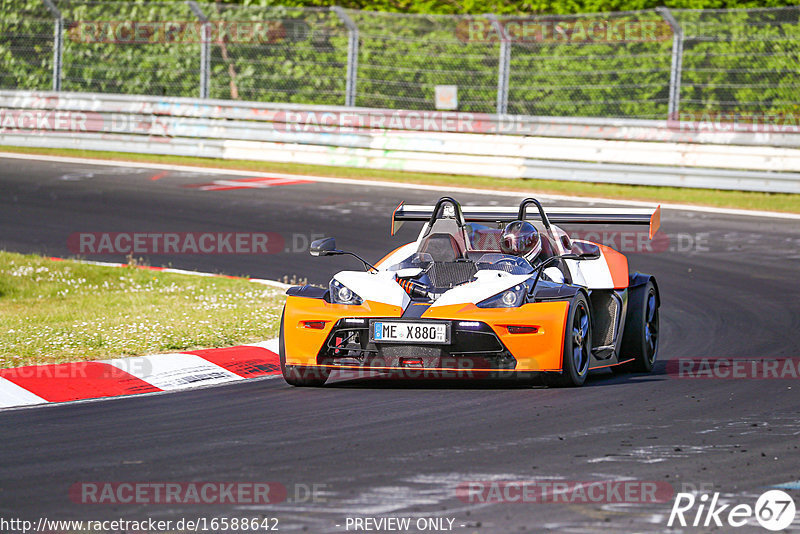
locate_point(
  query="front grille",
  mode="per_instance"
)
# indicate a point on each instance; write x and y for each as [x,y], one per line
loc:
[474,347]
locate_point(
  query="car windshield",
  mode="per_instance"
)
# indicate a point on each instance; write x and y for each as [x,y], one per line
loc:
[419,260]
[484,238]
[504,262]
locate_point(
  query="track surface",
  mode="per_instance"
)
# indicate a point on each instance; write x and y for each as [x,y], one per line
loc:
[386,448]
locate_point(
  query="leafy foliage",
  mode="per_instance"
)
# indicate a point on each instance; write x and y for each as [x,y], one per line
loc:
[516,7]
[734,60]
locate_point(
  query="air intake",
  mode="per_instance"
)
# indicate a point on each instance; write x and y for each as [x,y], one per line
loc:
[446,274]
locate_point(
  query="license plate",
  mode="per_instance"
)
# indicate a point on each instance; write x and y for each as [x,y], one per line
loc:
[402,332]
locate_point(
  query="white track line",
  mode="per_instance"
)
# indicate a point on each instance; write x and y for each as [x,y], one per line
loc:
[400,185]
[263,281]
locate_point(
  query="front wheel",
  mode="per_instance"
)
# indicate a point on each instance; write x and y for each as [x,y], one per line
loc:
[640,337]
[299,375]
[577,345]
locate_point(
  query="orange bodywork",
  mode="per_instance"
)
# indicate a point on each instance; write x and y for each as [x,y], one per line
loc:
[617,266]
[534,351]
[303,344]
[539,351]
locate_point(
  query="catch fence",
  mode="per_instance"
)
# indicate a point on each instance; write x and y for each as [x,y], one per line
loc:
[647,64]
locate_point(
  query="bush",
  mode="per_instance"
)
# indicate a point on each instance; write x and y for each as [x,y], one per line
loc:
[736,61]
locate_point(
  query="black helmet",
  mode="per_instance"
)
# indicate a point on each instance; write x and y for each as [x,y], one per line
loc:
[520,238]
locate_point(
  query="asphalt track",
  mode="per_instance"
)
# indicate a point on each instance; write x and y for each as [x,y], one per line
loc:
[400,449]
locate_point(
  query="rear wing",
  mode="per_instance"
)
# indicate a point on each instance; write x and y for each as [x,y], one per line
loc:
[648,216]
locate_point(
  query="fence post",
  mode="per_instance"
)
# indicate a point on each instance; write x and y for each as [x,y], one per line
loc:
[352,56]
[677,62]
[504,65]
[58,43]
[205,48]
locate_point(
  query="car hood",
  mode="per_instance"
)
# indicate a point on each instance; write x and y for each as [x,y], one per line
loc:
[382,287]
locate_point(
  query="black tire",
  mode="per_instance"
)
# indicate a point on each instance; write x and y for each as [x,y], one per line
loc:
[640,338]
[577,345]
[299,375]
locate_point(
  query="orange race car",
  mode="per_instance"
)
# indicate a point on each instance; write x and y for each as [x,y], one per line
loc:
[483,291]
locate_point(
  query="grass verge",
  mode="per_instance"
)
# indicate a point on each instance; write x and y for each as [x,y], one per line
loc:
[59,311]
[703,197]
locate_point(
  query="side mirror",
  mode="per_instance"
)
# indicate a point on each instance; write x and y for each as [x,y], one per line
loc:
[327,247]
[323,247]
[586,251]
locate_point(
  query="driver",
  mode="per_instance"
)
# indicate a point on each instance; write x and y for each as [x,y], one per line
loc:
[521,238]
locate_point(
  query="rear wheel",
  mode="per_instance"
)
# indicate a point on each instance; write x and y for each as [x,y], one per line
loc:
[577,345]
[640,338]
[299,375]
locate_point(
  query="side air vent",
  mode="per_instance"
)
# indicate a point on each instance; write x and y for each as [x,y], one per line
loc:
[605,310]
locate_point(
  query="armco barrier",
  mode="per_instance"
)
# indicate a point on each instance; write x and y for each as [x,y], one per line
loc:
[578,149]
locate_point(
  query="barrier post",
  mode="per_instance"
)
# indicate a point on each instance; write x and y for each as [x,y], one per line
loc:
[205,47]
[352,56]
[58,43]
[504,64]
[673,107]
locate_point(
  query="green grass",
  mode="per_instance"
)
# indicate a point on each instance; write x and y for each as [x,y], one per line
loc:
[59,311]
[704,197]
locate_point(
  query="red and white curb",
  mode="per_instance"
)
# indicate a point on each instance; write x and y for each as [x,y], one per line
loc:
[65,382]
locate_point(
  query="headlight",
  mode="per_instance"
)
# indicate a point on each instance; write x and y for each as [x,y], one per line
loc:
[510,298]
[341,294]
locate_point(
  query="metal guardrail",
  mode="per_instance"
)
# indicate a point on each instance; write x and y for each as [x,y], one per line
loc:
[573,127]
[578,149]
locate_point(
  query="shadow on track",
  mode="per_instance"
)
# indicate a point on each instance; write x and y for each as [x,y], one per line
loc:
[378,381]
